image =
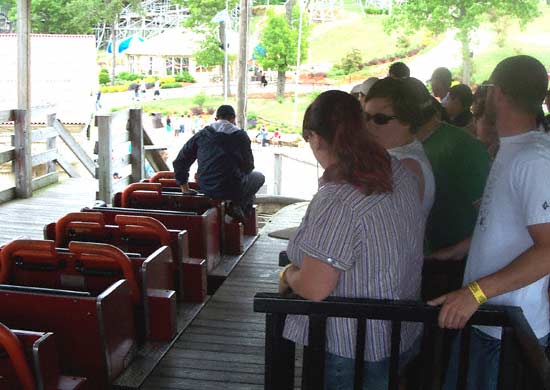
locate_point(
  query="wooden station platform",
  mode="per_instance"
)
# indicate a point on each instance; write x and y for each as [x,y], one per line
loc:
[223,347]
[222,340]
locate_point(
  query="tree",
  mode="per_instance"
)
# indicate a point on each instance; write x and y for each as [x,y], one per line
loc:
[463,15]
[352,61]
[201,13]
[279,38]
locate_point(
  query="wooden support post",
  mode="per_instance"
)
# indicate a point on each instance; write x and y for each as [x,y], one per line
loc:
[105,173]
[51,144]
[243,67]
[278,174]
[23,55]
[136,138]
[23,163]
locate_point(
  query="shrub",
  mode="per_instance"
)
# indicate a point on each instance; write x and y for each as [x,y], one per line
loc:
[210,110]
[252,116]
[113,88]
[104,77]
[336,71]
[351,62]
[196,110]
[167,80]
[126,76]
[280,100]
[200,99]
[185,77]
[170,85]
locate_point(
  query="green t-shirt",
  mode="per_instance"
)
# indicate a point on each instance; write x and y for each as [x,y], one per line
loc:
[460,164]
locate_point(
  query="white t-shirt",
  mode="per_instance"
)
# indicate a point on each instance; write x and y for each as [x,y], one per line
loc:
[415,151]
[517,195]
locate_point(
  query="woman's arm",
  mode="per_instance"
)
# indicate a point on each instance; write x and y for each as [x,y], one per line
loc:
[314,281]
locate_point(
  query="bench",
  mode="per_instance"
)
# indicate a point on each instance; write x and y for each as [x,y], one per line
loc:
[30,360]
[132,234]
[92,268]
[523,364]
[96,340]
[203,229]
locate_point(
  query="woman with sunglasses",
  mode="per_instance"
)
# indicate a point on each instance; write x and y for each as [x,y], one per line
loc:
[391,113]
[361,237]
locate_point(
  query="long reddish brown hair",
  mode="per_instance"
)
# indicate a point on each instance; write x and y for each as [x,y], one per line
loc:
[337,117]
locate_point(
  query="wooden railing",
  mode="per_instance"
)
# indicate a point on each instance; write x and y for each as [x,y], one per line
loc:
[20,153]
[523,363]
[122,144]
[121,140]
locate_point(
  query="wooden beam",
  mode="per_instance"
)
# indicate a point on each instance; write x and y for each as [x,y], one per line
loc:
[136,137]
[7,195]
[51,143]
[45,180]
[67,167]
[75,147]
[104,169]
[24,56]
[7,155]
[44,157]
[6,115]
[153,156]
[22,145]
[43,134]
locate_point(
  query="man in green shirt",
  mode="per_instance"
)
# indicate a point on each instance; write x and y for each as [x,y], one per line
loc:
[460,164]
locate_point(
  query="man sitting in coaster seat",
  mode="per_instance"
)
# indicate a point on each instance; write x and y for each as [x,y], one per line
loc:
[225,164]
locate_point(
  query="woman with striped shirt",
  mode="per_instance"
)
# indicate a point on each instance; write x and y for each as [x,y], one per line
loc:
[361,237]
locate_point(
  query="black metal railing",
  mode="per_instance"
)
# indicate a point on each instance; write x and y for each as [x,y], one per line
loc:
[523,364]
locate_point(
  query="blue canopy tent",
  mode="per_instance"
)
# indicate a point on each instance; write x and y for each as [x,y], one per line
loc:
[125,43]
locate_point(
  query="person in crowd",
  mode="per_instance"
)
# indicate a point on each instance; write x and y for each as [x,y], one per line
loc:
[547,103]
[399,70]
[363,89]
[156,94]
[276,139]
[263,80]
[458,106]
[182,124]
[263,136]
[143,87]
[441,84]
[351,234]
[509,253]
[460,164]
[98,101]
[484,130]
[168,124]
[355,91]
[225,164]
[392,116]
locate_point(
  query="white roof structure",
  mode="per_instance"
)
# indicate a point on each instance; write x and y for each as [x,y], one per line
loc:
[173,42]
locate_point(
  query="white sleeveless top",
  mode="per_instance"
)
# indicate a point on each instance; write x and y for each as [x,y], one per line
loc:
[415,151]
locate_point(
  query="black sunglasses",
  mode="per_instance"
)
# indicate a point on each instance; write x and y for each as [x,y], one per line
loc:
[379,118]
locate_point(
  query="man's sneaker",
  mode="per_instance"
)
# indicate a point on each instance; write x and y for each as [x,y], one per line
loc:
[236,212]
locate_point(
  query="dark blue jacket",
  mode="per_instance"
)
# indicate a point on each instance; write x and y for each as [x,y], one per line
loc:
[223,153]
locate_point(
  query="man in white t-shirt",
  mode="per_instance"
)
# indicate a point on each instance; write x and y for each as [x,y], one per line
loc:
[509,253]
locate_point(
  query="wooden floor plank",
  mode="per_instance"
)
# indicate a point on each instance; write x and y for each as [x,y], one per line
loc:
[224,346]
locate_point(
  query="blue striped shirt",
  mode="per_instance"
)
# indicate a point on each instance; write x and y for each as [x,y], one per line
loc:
[376,242]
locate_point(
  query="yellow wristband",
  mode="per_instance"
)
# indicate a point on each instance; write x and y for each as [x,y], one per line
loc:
[282,273]
[477,292]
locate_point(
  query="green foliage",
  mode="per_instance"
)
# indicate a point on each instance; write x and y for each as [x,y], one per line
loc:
[210,53]
[252,116]
[352,62]
[463,15]
[104,77]
[170,85]
[185,77]
[126,76]
[200,99]
[280,41]
[69,16]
